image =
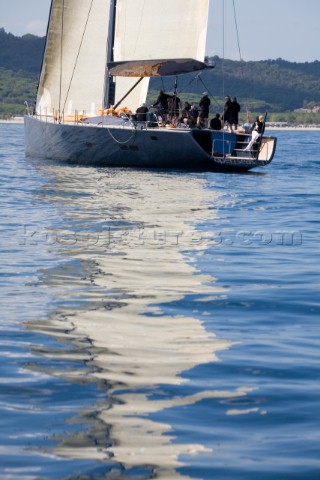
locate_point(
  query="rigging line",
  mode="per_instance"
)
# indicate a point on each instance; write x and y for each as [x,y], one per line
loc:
[195,78]
[74,68]
[235,21]
[61,52]
[240,56]
[223,85]
[222,64]
[217,103]
[183,89]
[189,83]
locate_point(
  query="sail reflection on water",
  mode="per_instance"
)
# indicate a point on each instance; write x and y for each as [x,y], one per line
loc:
[140,264]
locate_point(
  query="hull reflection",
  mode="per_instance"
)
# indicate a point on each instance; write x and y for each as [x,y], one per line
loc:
[118,294]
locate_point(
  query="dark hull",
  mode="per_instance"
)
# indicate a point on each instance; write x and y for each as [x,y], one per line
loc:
[118,146]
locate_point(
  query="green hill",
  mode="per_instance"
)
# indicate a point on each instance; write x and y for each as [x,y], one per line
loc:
[276,86]
[21,53]
[273,85]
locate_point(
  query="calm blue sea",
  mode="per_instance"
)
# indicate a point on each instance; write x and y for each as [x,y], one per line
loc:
[160,325]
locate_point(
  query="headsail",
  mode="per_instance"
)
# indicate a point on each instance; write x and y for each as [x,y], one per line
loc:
[73,70]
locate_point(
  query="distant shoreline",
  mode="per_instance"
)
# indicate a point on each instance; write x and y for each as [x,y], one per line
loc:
[13,120]
[19,121]
[316,129]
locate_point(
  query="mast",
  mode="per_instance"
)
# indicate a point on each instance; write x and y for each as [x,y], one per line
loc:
[110,84]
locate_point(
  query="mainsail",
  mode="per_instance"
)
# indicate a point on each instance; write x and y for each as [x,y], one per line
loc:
[157,29]
[153,29]
[74,65]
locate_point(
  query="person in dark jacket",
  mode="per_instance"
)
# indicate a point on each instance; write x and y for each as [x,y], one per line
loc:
[174,104]
[215,123]
[227,113]
[204,106]
[162,105]
[185,114]
[193,116]
[162,100]
[141,113]
[234,114]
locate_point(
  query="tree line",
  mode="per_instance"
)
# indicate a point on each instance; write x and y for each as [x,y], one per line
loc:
[276,86]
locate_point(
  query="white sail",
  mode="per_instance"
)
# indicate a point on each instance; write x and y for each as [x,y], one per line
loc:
[160,29]
[73,70]
[154,29]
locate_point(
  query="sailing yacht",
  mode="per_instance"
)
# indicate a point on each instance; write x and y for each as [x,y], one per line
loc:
[98,60]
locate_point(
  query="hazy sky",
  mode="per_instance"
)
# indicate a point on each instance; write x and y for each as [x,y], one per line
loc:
[288,29]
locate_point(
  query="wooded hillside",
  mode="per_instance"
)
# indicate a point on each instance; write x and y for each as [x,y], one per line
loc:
[271,85]
[274,85]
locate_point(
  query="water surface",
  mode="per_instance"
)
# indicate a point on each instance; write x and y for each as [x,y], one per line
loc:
[159,324]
